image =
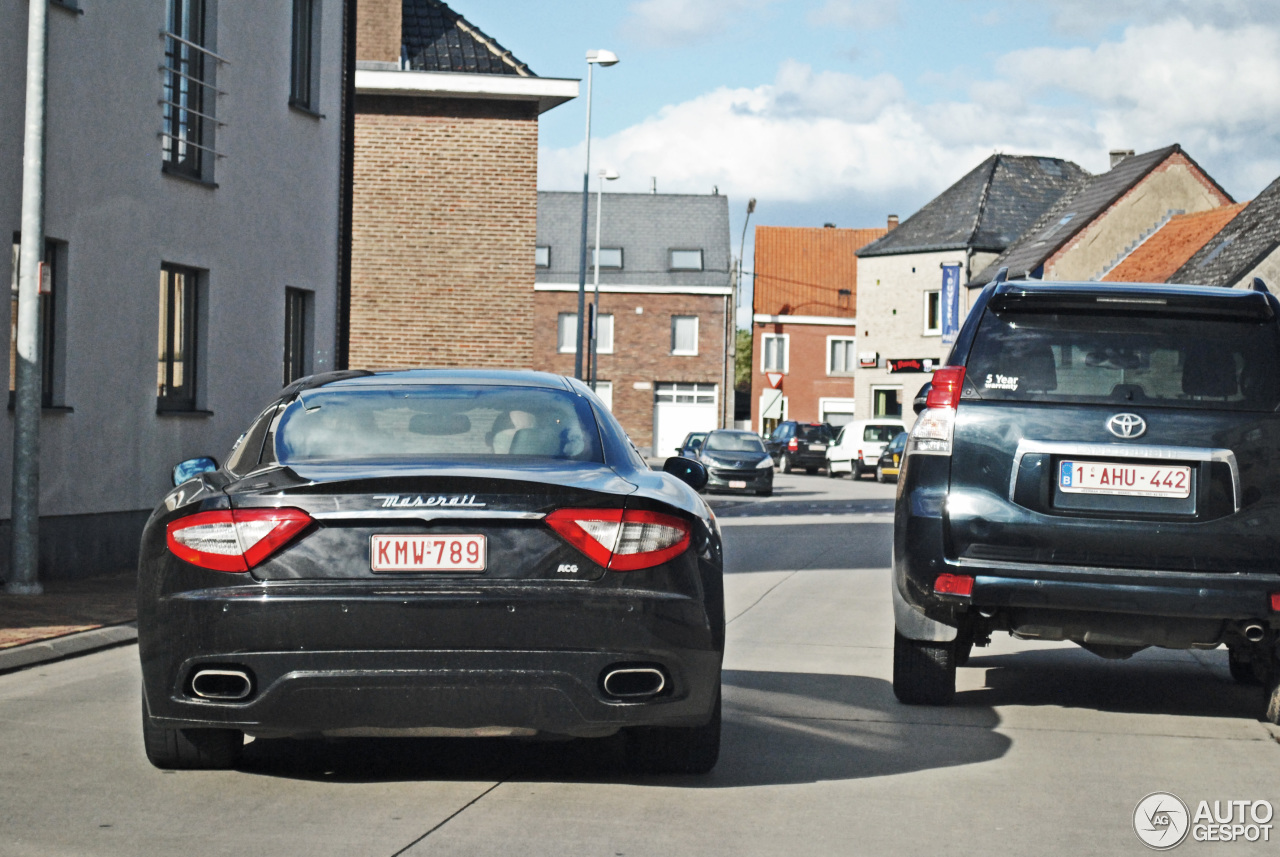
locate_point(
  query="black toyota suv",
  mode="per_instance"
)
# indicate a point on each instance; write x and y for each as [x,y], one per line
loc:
[796,444]
[1096,463]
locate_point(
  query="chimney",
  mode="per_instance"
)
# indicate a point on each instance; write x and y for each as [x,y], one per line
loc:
[893,222]
[653,184]
[378,36]
[828,226]
[1118,155]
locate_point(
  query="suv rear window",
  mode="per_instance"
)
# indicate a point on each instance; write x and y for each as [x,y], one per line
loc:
[1155,359]
[818,432]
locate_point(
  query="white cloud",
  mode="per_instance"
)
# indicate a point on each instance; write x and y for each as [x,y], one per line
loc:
[1092,16]
[675,22]
[856,14]
[812,137]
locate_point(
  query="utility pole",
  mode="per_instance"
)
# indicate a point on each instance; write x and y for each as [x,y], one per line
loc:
[25,509]
[735,282]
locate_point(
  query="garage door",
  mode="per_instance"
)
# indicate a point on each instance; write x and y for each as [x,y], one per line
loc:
[679,409]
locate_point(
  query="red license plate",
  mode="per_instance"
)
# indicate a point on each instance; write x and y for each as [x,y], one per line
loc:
[427,553]
[1134,480]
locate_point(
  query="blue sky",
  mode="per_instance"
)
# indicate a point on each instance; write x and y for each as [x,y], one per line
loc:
[848,110]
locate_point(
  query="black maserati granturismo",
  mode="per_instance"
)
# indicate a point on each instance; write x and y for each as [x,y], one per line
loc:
[432,553]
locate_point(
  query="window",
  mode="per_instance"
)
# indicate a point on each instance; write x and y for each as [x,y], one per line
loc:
[297,334]
[841,357]
[887,401]
[567,333]
[685,394]
[604,333]
[686,260]
[836,412]
[604,389]
[176,370]
[304,81]
[773,352]
[189,99]
[543,257]
[48,322]
[933,313]
[610,257]
[684,335]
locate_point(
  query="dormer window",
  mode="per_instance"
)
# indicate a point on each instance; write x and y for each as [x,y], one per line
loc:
[543,258]
[686,260]
[610,257]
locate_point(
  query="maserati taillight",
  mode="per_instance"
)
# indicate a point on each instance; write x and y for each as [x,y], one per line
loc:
[622,540]
[233,540]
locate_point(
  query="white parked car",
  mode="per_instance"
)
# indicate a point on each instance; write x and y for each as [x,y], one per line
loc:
[859,445]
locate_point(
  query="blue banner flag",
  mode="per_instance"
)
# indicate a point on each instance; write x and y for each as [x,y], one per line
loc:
[950,303]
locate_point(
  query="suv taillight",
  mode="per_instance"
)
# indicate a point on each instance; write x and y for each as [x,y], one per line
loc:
[622,540]
[933,429]
[793,445]
[233,540]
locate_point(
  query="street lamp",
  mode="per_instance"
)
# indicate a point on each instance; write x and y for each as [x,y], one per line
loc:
[594,58]
[604,175]
[731,335]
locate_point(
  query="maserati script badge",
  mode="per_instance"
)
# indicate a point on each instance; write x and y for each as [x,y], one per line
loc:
[1127,425]
[453,501]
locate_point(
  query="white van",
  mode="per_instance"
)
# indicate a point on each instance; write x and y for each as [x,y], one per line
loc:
[859,445]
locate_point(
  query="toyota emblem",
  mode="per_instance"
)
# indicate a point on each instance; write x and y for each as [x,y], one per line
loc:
[1127,425]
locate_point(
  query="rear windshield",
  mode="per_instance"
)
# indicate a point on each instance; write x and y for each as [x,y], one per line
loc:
[1125,358]
[436,422]
[880,434]
[812,432]
[727,441]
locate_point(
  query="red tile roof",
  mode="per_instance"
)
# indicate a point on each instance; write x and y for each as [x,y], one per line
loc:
[802,270]
[1156,259]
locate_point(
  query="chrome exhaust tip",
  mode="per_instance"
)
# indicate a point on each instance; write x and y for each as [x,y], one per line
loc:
[223,685]
[634,682]
[1254,632]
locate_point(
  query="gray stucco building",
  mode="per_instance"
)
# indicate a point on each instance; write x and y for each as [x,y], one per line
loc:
[192,221]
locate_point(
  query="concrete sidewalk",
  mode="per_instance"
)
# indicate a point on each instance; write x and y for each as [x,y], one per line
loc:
[71,617]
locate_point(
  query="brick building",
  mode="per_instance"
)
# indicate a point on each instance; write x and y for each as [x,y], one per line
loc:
[444,200]
[804,316]
[900,308]
[664,293]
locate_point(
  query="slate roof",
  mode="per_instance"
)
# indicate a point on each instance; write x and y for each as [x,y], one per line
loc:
[802,270]
[1075,210]
[646,226]
[1156,259]
[986,210]
[436,38]
[1240,246]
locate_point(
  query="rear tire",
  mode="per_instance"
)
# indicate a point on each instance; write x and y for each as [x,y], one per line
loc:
[190,749]
[675,749]
[784,463]
[1273,696]
[831,472]
[1241,666]
[880,477]
[924,673]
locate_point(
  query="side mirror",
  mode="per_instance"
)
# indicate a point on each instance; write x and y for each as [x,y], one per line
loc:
[918,403]
[688,471]
[193,467]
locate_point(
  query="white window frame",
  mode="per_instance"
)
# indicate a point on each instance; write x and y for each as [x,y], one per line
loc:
[901,401]
[853,356]
[786,351]
[602,251]
[930,295]
[671,260]
[560,344]
[603,345]
[684,353]
[542,256]
[835,405]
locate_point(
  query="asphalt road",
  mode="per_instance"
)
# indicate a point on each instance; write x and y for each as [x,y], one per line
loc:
[1047,749]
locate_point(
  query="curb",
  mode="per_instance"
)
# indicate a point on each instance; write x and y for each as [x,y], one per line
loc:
[47,651]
